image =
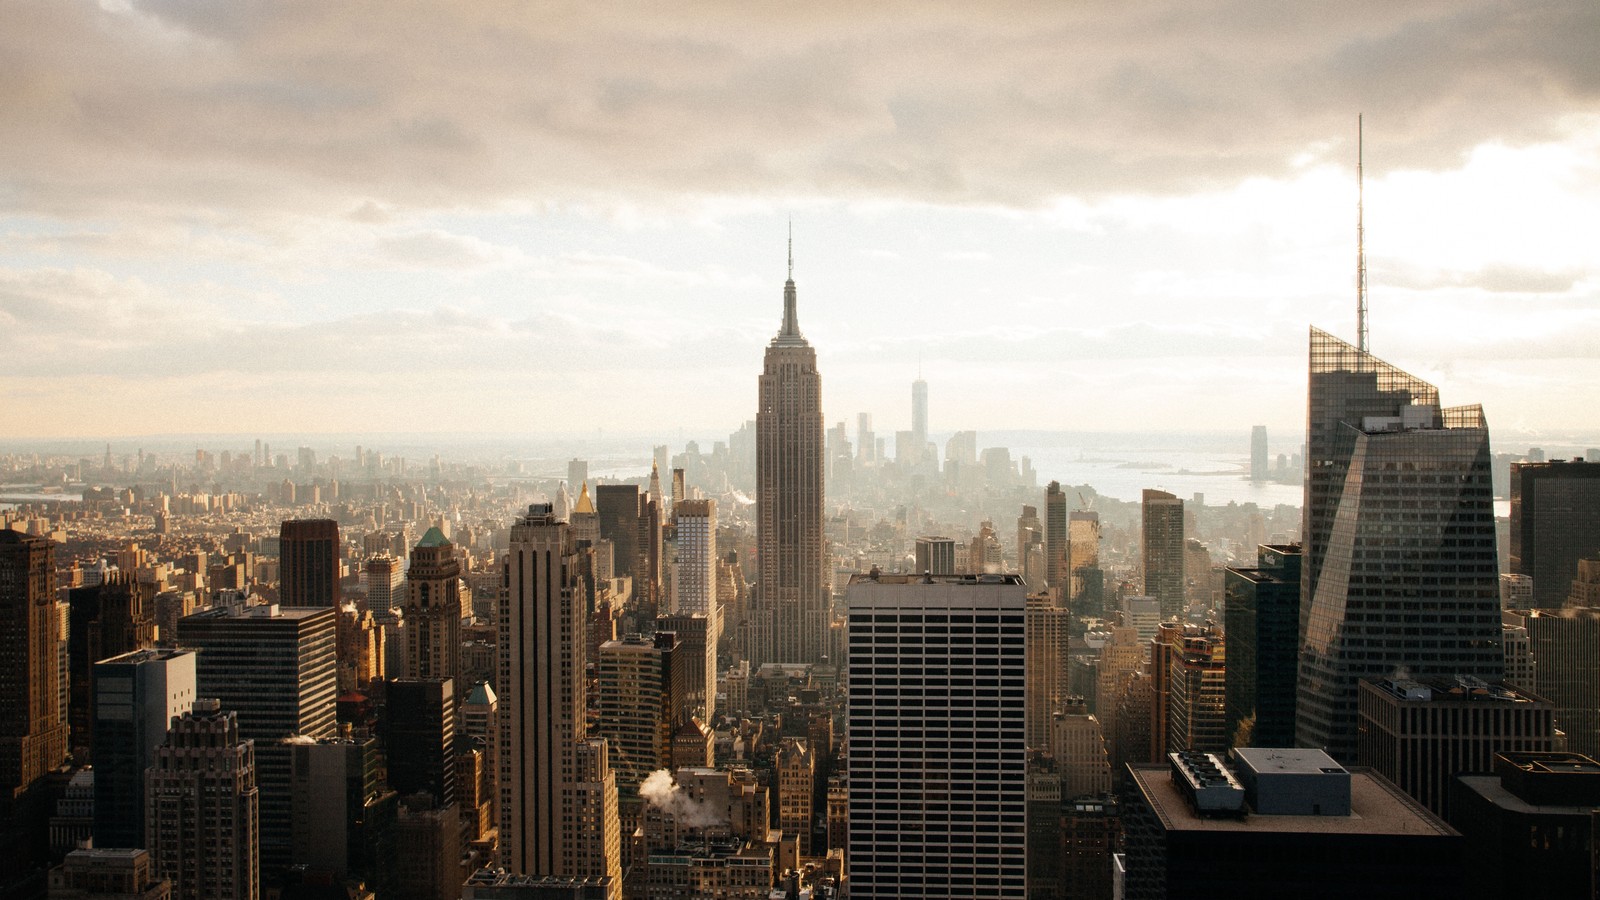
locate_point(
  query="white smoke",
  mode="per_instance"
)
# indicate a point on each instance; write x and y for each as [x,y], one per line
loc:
[663,793]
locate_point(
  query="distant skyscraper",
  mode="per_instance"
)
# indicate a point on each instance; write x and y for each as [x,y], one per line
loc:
[33,727]
[1400,540]
[278,670]
[1030,535]
[1085,580]
[1566,669]
[1055,535]
[308,554]
[967,839]
[792,601]
[385,577]
[33,730]
[137,695]
[866,439]
[1048,643]
[1258,453]
[201,803]
[1196,718]
[919,417]
[936,555]
[1555,521]
[1262,619]
[433,609]
[643,684]
[550,774]
[1162,550]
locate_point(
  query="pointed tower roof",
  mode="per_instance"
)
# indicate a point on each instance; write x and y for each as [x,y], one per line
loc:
[789,335]
[433,538]
[585,506]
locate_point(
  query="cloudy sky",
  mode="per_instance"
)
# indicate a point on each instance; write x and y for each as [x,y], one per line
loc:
[541,217]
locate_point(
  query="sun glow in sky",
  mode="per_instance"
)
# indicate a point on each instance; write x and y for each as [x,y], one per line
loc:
[281,217]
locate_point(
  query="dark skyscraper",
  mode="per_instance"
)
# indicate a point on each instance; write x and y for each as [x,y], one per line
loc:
[1400,569]
[1162,551]
[104,620]
[308,554]
[1263,624]
[792,599]
[277,669]
[137,695]
[1555,521]
[33,729]
[1056,558]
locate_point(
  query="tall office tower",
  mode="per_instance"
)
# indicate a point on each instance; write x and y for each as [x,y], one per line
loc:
[644,686]
[420,738]
[1399,565]
[936,555]
[542,712]
[33,727]
[385,579]
[433,609]
[695,575]
[795,768]
[1086,582]
[1262,622]
[1196,718]
[278,670]
[104,620]
[1421,734]
[1047,644]
[1080,751]
[1258,453]
[1162,550]
[619,510]
[201,807]
[137,695]
[308,562]
[940,815]
[866,440]
[1120,657]
[792,601]
[1555,521]
[577,471]
[919,419]
[1030,530]
[697,656]
[1055,535]
[1566,669]
[343,814]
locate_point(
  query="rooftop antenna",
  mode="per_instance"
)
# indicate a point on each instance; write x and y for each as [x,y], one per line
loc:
[1361,250]
[791,249]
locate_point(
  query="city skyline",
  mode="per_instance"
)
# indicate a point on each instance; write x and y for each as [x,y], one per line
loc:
[204,204]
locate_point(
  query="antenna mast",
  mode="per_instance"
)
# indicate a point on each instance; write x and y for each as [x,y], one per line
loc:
[1361,250]
[791,249]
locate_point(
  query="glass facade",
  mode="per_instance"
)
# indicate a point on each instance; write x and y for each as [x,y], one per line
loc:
[1400,574]
[1262,615]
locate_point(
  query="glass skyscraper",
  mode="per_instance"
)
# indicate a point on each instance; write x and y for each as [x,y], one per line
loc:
[1399,574]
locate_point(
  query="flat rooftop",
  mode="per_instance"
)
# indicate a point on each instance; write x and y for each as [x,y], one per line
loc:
[1275,760]
[1376,807]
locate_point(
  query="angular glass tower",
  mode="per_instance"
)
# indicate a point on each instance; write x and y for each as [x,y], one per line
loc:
[1399,572]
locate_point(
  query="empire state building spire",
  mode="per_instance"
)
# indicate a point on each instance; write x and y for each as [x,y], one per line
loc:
[790,335]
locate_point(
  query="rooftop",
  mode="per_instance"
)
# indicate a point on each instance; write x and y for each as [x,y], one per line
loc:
[1377,807]
[1459,689]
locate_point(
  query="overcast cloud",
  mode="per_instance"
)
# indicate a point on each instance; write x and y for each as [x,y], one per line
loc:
[1135,208]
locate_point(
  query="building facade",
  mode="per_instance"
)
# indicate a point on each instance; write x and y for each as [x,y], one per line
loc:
[1262,621]
[308,554]
[202,805]
[791,615]
[1161,550]
[1555,521]
[937,764]
[433,609]
[1399,568]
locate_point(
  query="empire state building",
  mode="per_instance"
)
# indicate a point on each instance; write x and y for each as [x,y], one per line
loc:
[791,606]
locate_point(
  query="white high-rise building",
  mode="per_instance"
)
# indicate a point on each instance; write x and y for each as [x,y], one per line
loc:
[937,766]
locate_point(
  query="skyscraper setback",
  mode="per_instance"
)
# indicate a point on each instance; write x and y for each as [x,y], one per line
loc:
[792,599]
[1399,568]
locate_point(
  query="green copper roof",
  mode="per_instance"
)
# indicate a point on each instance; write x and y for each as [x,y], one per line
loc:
[434,538]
